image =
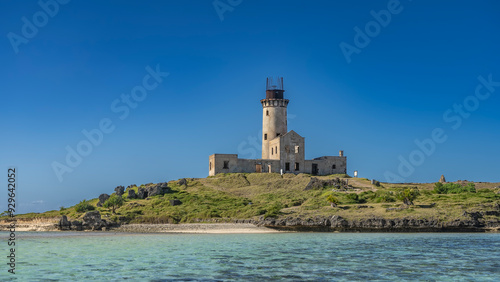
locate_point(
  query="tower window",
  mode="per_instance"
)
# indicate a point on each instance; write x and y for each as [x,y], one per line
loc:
[272,151]
[296,166]
[267,113]
[287,166]
[297,149]
[210,166]
[265,136]
[287,149]
[276,150]
[334,166]
[277,134]
[226,165]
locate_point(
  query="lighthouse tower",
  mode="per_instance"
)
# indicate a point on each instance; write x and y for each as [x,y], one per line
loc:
[274,120]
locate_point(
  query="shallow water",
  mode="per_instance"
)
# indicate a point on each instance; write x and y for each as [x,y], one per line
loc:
[62,256]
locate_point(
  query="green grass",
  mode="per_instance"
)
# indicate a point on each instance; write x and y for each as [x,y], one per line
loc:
[252,195]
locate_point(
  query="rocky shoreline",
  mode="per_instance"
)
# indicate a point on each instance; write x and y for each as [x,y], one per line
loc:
[471,222]
[374,224]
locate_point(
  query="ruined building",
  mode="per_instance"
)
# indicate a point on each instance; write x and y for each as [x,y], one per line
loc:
[282,150]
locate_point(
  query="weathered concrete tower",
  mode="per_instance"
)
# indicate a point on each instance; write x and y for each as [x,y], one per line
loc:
[274,120]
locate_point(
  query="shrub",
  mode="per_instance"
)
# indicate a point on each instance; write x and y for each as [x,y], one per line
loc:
[408,195]
[454,188]
[84,206]
[332,200]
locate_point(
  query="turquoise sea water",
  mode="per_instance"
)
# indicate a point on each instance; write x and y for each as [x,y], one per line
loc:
[69,256]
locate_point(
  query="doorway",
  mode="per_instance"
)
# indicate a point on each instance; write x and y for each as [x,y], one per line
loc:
[314,169]
[258,168]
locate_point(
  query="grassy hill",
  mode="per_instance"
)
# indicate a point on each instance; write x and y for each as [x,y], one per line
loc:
[225,197]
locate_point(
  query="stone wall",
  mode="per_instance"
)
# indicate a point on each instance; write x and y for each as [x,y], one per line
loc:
[230,163]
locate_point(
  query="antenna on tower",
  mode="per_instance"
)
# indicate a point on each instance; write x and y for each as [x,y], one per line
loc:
[274,83]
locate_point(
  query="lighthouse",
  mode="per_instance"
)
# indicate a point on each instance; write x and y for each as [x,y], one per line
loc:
[283,151]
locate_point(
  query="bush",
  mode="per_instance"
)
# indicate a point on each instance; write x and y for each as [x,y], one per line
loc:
[84,206]
[332,200]
[454,188]
[408,195]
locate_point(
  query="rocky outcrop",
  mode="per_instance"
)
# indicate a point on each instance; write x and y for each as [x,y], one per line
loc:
[182,182]
[119,190]
[131,194]
[472,223]
[175,202]
[153,190]
[142,193]
[102,198]
[64,224]
[91,221]
[316,183]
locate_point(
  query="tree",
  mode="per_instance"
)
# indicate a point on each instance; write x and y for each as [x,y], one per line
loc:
[332,200]
[408,195]
[113,202]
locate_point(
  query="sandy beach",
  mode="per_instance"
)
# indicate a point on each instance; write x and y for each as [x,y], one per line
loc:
[222,228]
[213,228]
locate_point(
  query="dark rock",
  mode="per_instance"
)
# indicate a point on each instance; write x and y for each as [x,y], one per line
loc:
[76,225]
[316,183]
[175,202]
[131,194]
[142,193]
[182,182]
[164,187]
[155,190]
[64,224]
[338,221]
[102,198]
[119,190]
[92,220]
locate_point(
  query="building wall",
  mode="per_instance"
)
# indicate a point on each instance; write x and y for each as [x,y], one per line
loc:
[222,163]
[251,166]
[275,148]
[325,165]
[217,164]
[292,152]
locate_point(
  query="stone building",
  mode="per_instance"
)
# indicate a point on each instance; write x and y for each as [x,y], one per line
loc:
[282,150]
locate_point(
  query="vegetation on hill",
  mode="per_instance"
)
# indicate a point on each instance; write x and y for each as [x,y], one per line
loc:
[226,197]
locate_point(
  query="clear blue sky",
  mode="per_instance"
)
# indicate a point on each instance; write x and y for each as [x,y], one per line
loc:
[66,75]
